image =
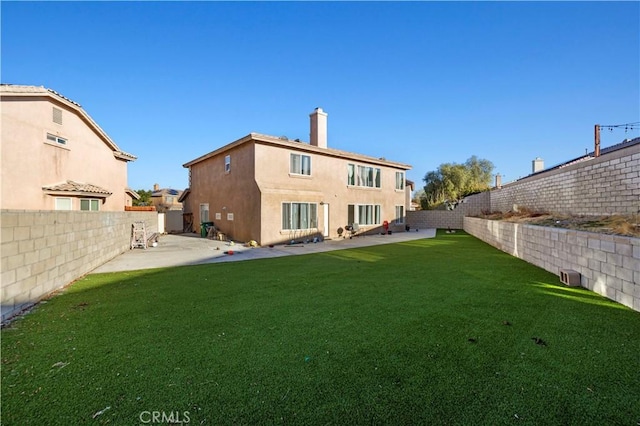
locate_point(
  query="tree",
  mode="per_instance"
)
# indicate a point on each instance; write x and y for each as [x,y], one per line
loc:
[145,198]
[452,181]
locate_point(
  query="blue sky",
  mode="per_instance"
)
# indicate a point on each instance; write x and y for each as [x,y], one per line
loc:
[422,83]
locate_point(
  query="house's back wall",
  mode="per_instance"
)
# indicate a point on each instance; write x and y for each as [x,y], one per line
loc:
[43,251]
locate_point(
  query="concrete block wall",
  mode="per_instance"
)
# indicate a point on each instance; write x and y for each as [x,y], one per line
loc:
[609,184]
[43,251]
[443,219]
[609,265]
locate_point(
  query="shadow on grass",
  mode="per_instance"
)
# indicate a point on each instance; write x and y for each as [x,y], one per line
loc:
[405,333]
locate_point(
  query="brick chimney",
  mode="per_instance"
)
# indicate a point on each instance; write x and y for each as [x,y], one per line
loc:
[498,181]
[156,187]
[318,128]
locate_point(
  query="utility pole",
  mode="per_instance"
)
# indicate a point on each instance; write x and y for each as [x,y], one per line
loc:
[597,140]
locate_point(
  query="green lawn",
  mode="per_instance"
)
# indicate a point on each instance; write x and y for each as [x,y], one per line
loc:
[434,331]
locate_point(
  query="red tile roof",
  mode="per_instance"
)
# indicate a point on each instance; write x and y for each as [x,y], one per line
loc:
[71,186]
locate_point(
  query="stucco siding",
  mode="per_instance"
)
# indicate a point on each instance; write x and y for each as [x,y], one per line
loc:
[30,162]
[260,181]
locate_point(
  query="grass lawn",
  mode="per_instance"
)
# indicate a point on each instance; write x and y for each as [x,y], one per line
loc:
[434,331]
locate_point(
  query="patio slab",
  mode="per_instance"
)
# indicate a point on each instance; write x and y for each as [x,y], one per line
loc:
[191,249]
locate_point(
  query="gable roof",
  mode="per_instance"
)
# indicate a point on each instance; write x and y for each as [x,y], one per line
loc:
[76,188]
[299,146]
[20,91]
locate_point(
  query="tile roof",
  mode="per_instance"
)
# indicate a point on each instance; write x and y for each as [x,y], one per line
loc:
[165,191]
[71,186]
[283,141]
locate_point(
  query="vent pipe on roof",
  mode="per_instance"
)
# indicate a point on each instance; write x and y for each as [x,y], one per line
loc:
[318,135]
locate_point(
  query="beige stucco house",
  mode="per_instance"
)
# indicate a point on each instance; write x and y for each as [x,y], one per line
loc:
[55,157]
[166,199]
[272,189]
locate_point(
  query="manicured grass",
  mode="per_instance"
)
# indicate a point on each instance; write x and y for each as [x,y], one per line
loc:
[409,333]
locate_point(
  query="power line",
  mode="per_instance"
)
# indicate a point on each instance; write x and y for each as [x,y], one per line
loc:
[627,126]
[598,127]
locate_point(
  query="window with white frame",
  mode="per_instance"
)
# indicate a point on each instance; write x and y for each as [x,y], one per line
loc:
[351,174]
[300,164]
[63,203]
[227,163]
[56,139]
[299,216]
[363,176]
[363,214]
[90,204]
[399,180]
[399,215]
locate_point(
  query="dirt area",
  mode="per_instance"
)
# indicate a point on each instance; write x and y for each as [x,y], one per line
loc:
[627,225]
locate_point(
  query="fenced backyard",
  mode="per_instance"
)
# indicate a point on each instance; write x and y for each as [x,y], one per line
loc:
[437,331]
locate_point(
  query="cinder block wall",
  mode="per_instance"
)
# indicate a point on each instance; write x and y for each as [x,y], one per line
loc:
[43,251]
[609,265]
[606,185]
[472,205]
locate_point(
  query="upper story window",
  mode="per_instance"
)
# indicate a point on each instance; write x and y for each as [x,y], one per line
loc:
[399,180]
[56,139]
[90,205]
[227,163]
[57,115]
[363,176]
[300,164]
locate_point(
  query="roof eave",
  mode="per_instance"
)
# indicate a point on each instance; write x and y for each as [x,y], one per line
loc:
[303,146]
[77,193]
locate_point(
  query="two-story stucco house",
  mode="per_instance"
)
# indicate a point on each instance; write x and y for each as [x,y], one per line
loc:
[165,199]
[55,157]
[273,190]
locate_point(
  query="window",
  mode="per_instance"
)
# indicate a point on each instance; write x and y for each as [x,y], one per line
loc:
[170,200]
[63,204]
[363,214]
[363,176]
[299,215]
[229,216]
[399,180]
[56,139]
[57,115]
[300,164]
[90,205]
[227,163]
[399,215]
[218,216]
[204,212]
[351,174]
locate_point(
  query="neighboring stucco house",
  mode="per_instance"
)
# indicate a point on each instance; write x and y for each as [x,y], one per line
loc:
[272,189]
[165,199]
[55,157]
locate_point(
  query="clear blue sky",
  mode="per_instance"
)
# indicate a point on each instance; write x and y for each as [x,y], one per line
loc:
[422,83]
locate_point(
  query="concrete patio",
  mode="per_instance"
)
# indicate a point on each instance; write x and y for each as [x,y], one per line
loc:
[191,249]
